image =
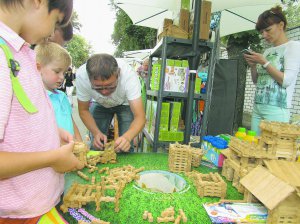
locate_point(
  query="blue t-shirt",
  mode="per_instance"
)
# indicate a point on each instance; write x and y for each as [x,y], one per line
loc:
[62,109]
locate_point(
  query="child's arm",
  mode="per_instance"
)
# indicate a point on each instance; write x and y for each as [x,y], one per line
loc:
[17,163]
[76,132]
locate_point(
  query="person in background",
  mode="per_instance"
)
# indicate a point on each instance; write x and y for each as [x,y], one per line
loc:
[32,162]
[116,89]
[69,84]
[52,62]
[143,69]
[62,34]
[275,71]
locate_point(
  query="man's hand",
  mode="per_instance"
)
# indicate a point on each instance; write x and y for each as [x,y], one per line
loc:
[122,144]
[64,160]
[100,140]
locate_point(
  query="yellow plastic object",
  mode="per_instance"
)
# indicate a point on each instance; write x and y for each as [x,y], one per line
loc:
[250,137]
[241,133]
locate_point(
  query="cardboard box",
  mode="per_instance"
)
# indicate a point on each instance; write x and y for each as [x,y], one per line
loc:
[173,31]
[204,21]
[184,19]
[167,22]
[212,147]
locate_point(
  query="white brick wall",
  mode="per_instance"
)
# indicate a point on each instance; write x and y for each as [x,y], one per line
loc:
[293,34]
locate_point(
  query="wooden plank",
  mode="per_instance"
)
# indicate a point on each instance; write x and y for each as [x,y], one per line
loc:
[285,170]
[266,187]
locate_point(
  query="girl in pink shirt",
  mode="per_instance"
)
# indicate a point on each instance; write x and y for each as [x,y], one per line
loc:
[32,162]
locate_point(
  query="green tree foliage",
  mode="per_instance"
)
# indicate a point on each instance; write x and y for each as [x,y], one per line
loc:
[128,37]
[75,21]
[292,11]
[79,50]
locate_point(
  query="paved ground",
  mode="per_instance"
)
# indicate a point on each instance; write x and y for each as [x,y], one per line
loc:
[80,125]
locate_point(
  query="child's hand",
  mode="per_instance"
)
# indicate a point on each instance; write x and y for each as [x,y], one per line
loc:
[65,137]
[64,159]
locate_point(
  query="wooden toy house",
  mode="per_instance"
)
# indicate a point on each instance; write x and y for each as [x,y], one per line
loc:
[279,139]
[241,158]
[282,199]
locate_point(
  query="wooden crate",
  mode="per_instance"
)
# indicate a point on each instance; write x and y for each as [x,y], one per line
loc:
[173,31]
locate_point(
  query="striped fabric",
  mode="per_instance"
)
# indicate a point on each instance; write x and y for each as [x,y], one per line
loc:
[52,217]
[34,193]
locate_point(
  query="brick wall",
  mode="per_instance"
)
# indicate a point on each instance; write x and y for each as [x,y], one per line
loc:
[293,34]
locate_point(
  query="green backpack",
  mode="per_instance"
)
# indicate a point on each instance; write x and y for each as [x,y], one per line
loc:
[16,85]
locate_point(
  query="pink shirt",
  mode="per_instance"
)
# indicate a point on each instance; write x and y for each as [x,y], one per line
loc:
[36,192]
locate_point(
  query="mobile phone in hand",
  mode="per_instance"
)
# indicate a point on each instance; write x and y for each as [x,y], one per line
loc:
[246,51]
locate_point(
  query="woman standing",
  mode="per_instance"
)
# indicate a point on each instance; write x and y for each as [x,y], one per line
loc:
[69,84]
[275,71]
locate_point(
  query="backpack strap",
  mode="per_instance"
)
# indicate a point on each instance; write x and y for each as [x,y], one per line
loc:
[16,85]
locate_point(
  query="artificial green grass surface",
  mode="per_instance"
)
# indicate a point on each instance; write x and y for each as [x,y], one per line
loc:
[134,202]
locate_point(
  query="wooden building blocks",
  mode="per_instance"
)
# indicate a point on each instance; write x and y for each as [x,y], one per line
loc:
[182,215]
[80,151]
[107,156]
[82,175]
[182,157]
[279,138]
[150,217]
[210,184]
[282,199]
[113,184]
[99,222]
[167,215]
[177,220]
[277,141]
[145,215]
[196,156]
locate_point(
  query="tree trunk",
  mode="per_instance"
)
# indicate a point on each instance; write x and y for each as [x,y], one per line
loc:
[234,52]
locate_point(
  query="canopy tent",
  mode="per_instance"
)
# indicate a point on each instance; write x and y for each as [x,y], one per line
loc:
[132,61]
[236,15]
[139,54]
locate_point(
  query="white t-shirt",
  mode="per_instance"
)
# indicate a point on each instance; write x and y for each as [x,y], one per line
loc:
[286,58]
[129,87]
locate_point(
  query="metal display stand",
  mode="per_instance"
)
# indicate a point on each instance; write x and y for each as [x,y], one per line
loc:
[191,50]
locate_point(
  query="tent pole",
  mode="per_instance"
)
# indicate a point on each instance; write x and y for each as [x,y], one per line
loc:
[193,65]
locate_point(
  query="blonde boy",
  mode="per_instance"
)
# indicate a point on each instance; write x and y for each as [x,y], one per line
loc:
[52,62]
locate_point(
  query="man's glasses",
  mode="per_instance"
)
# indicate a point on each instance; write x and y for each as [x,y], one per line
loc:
[109,88]
[100,88]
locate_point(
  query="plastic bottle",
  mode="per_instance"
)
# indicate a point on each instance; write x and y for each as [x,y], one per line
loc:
[241,133]
[250,137]
[203,76]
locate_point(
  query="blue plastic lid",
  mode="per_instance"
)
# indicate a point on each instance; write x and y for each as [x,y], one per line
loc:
[216,141]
